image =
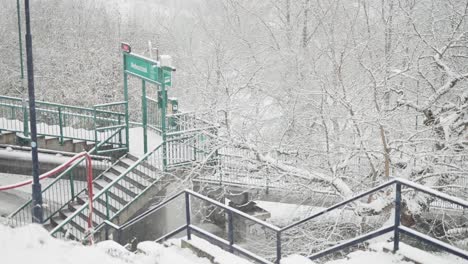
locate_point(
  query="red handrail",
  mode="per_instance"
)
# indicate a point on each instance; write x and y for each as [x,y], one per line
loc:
[61,168]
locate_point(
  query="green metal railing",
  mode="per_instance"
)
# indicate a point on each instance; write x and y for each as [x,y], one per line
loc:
[113,199]
[194,146]
[189,138]
[153,115]
[188,122]
[63,121]
[110,127]
[61,191]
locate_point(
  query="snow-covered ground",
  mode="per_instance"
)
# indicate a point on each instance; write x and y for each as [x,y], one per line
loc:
[32,243]
[284,213]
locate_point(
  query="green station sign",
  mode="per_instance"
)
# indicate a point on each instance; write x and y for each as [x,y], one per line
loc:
[146,69]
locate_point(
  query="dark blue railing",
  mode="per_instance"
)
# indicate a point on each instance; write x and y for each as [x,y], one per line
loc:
[396,228]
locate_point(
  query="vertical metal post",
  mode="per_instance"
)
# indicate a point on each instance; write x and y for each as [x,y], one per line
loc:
[106,233]
[396,238]
[195,150]
[25,118]
[127,135]
[187,215]
[18,14]
[230,231]
[60,125]
[120,132]
[95,127]
[145,116]
[107,206]
[163,118]
[278,247]
[36,186]
[119,236]
[72,186]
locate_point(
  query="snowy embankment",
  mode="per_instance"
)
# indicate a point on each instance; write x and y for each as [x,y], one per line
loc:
[34,244]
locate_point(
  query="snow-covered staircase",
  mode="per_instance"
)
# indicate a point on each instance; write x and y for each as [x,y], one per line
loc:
[120,192]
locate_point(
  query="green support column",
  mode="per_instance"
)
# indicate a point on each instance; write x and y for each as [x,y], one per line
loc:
[163,120]
[127,121]
[145,116]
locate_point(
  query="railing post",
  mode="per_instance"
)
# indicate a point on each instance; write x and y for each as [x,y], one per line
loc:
[278,247]
[187,215]
[25,119]
[95,127]
[144,117]
[120,132]
[163,119]
[396,238]
[72,186]
[119,236]
[106,229]
[107,206]
[195,146]
[60,125]
[230,231]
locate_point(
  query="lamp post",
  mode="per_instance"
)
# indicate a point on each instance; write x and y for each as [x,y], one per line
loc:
[36,187]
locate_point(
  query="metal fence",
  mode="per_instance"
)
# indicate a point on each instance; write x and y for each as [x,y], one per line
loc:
[63,121]
[60,192]
[280,235]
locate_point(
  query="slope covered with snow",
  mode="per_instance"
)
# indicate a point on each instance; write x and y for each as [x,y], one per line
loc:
[32,243]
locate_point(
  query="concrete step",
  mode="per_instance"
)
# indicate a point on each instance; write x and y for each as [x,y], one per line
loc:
[216,255]
[136,177]
[100,210]
[130,158]
[57,220]
[142,170]
[117,198]
[54,143]
[79,146]
[41,141]
[122,185]
[125,182]
[8,137]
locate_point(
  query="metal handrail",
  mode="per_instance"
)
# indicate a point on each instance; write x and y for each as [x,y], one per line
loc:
[60,115]
[104,190]
[60,177]
[333,207]
[111,104]
[397,228]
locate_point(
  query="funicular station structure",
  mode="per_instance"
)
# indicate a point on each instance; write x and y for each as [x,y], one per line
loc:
[126,172]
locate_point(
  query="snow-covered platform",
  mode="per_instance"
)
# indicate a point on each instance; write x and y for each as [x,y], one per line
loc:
[136,140]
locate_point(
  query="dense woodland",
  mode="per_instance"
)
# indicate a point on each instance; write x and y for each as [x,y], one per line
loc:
[346,93]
